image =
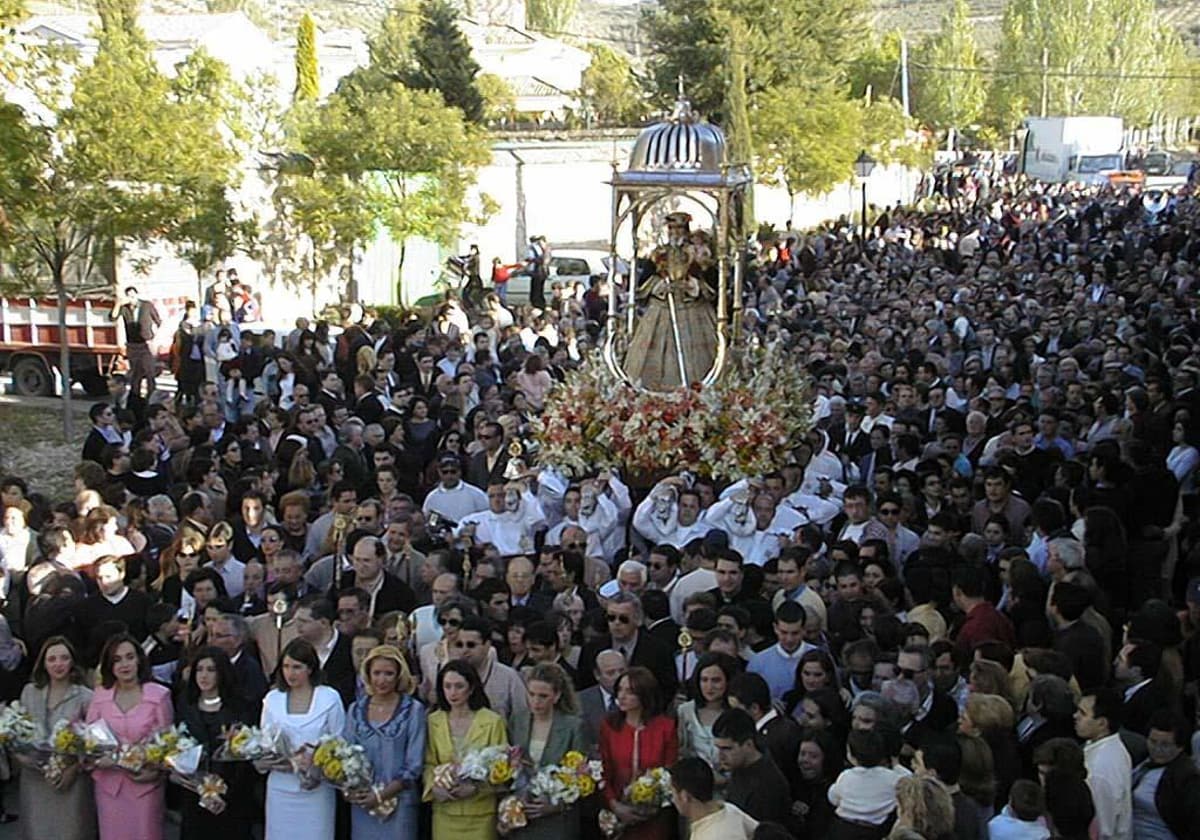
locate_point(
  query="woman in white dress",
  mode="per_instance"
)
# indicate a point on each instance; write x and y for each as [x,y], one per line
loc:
[303,710]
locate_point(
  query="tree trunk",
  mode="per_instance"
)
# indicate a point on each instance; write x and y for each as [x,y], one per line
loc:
[64,354]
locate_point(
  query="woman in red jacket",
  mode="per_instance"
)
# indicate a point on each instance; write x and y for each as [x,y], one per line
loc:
[635,738]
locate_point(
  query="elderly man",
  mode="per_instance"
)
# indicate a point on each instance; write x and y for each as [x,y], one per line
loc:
[598,700]
[230,633]
[624,617]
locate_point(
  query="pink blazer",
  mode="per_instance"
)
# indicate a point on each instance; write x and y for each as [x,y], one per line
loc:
[143,720]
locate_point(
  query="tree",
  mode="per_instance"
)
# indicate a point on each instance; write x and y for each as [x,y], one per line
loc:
[690,38]
[12,10]
[499,101]
[1082,57]
[951,100]
[412,157]
[741,137]
[608,89]
[444,61]
[550,16]
[308,84]
[875,71]
[807,140]
[119,157]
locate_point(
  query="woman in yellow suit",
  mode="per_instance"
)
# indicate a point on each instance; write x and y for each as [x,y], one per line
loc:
[461,723]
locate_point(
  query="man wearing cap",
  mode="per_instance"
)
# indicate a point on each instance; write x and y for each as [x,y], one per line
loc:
[453,498]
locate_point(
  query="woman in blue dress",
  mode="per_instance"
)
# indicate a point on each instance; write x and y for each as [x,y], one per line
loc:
[389,724]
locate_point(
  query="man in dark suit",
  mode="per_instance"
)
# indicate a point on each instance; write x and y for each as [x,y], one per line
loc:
[598,700]
[330,396]
[1136,667]
[231,634]
[778,734]
[487,467]
[314,622]
[1076,639]
[856,442]
[103,432]
[625,634]
[423,380]
[388,593]
[937,712]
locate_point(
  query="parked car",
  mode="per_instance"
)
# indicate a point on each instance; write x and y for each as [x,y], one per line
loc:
[567,266]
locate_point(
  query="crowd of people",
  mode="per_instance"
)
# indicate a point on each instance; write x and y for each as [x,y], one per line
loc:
[962,607]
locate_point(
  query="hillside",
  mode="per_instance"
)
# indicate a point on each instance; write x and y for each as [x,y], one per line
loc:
[614,20]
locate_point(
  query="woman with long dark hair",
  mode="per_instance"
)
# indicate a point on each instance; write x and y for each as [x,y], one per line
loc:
[634,738]
[461,723]
[709,690]
[211,705]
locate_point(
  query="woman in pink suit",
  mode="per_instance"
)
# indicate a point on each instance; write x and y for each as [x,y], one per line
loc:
[130,807]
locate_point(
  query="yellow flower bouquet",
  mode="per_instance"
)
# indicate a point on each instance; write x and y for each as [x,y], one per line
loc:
[345,766]
[558,785]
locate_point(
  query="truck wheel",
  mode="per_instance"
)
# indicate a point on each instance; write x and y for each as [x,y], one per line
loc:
[31,378]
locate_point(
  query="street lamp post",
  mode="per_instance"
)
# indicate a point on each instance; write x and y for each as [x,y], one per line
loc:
[863,165]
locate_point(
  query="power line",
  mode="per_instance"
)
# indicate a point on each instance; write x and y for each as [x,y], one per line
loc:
[1057,73]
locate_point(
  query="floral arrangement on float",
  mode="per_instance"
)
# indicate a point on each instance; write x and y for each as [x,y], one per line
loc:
[744,424]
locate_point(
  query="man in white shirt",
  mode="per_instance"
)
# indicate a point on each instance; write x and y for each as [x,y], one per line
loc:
[1109,769]
[708,818]
[509,522]
[670,514]
[453,498]
[585,507]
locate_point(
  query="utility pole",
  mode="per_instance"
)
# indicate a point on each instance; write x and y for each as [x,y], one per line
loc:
[1045,79]
[904,76]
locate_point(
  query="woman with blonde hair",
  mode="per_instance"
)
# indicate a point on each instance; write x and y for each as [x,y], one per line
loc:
[991,718]
[924,809]
[389,724]
[545,732]
[100,538]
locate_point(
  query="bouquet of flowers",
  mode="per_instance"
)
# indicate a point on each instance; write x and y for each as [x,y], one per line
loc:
[557,785]
[249,743]
[345,766]
[496,766]
[173,749]
[96,740]
[648,792]
[652,789]
[16,726]
[64,748]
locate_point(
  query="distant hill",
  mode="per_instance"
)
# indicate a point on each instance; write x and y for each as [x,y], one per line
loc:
[615,21]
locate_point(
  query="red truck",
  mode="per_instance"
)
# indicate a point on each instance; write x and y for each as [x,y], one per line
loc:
[29,341]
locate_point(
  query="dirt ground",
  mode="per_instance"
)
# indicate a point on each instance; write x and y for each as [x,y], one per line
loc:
[32,446]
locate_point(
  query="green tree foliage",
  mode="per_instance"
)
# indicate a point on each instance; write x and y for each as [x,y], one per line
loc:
[499,101]
[122,156]
[807,139]
[443,60]
[391,44]
[1102,56]
[411,156]
[875,71]
[308,85]
[609,91]
[12,10]
[550,16]
[118,15]
[951,100]
[691,38]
